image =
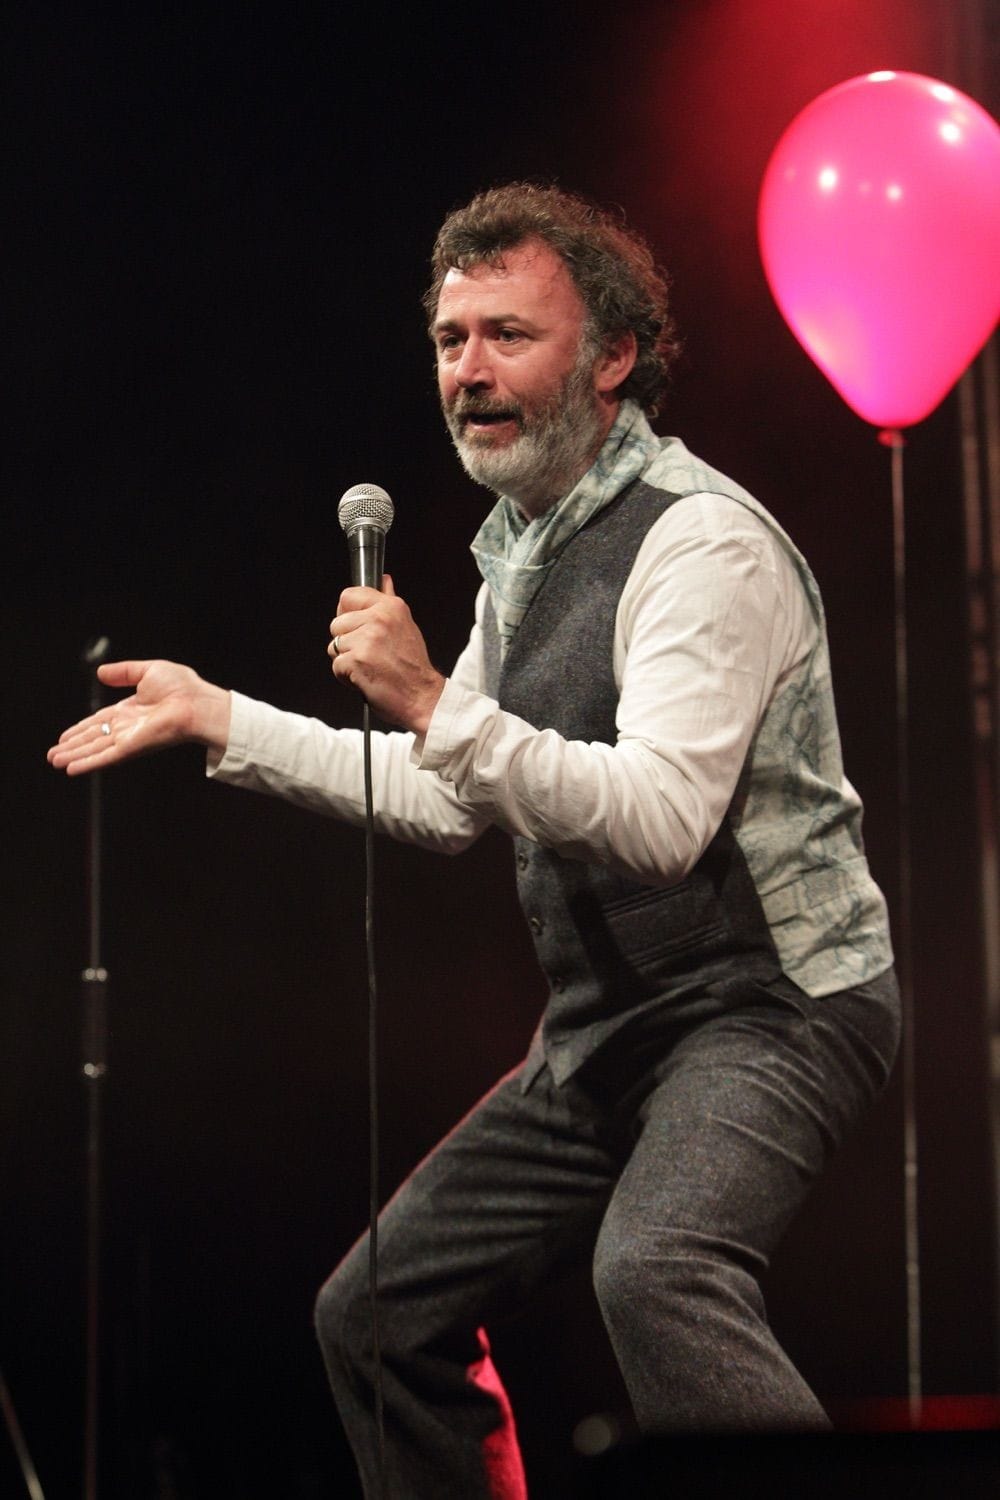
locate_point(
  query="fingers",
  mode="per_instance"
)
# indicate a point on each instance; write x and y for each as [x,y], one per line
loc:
[354,609]
[336,648]
[358,605]
[90,744]
[86,746]
[357,598]
[87,730]
[123,673]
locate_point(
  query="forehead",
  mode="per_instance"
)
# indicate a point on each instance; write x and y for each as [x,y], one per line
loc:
[530,281]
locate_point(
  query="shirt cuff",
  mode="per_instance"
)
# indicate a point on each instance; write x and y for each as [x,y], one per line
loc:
[453,723]
[234,758]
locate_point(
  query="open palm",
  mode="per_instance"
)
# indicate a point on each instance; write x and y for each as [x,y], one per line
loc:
[170,705]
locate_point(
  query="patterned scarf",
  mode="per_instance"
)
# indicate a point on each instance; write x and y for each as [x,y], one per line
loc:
[514,554]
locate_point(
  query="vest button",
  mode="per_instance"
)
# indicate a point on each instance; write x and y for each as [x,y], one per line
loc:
[557,984]
[522,860]
[536,924]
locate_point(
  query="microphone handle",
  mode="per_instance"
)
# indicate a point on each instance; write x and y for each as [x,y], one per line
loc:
[367,544]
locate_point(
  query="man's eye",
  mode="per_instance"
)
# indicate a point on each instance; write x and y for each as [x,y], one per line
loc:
[509,335]
[446,342]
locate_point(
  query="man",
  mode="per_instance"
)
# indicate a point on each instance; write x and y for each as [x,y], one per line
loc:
[645,705]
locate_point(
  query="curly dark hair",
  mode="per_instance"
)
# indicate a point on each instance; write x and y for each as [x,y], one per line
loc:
[612,267]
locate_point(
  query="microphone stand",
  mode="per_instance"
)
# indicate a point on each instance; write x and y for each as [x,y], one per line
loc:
[28,1470]
[93,980]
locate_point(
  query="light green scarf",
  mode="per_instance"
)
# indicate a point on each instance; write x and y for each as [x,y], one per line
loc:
[514,554]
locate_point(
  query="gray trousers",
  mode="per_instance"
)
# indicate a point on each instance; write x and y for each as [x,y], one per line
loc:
[679,1179]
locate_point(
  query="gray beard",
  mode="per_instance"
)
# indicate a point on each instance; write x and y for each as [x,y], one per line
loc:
[559,439]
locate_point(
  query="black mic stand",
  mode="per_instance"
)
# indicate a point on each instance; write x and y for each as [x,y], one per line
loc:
[94,980]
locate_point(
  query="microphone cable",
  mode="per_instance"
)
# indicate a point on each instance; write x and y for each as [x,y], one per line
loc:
[373,1117]
[365,514]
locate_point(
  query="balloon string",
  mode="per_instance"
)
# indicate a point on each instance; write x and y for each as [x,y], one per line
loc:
[903,937]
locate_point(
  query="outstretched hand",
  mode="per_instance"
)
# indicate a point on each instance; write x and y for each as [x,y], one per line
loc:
[171,705]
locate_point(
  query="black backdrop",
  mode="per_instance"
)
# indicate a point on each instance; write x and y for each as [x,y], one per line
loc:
[217,226]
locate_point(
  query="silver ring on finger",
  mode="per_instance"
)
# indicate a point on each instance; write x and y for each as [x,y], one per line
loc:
[105,727]
[336,645]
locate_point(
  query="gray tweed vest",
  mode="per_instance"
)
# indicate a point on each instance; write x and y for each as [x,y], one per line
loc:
[628,965]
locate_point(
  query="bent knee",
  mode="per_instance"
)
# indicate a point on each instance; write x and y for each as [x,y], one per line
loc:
[673,1268]
[623,1271]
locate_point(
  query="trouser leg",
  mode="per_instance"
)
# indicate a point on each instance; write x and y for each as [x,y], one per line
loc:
[734,1126]
[740,1121]
[506,1200]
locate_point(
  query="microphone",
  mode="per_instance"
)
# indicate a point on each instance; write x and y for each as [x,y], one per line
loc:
[365,514]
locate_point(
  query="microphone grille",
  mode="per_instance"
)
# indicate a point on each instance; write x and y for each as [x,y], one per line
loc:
[365,504]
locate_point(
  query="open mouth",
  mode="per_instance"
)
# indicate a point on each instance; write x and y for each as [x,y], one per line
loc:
[483,421]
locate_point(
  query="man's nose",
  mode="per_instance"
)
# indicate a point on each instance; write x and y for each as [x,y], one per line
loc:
[474,369]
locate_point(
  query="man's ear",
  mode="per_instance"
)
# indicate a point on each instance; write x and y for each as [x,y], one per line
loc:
[615,363]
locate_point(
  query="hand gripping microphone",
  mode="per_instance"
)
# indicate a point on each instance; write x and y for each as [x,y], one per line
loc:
[365,514]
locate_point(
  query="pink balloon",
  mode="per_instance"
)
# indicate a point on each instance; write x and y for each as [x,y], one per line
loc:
[879,227]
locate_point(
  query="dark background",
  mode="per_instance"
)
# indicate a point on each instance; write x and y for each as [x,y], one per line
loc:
[217,227]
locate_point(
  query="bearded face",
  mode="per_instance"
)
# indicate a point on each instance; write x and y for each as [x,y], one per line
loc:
[535,448]
[527,389]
